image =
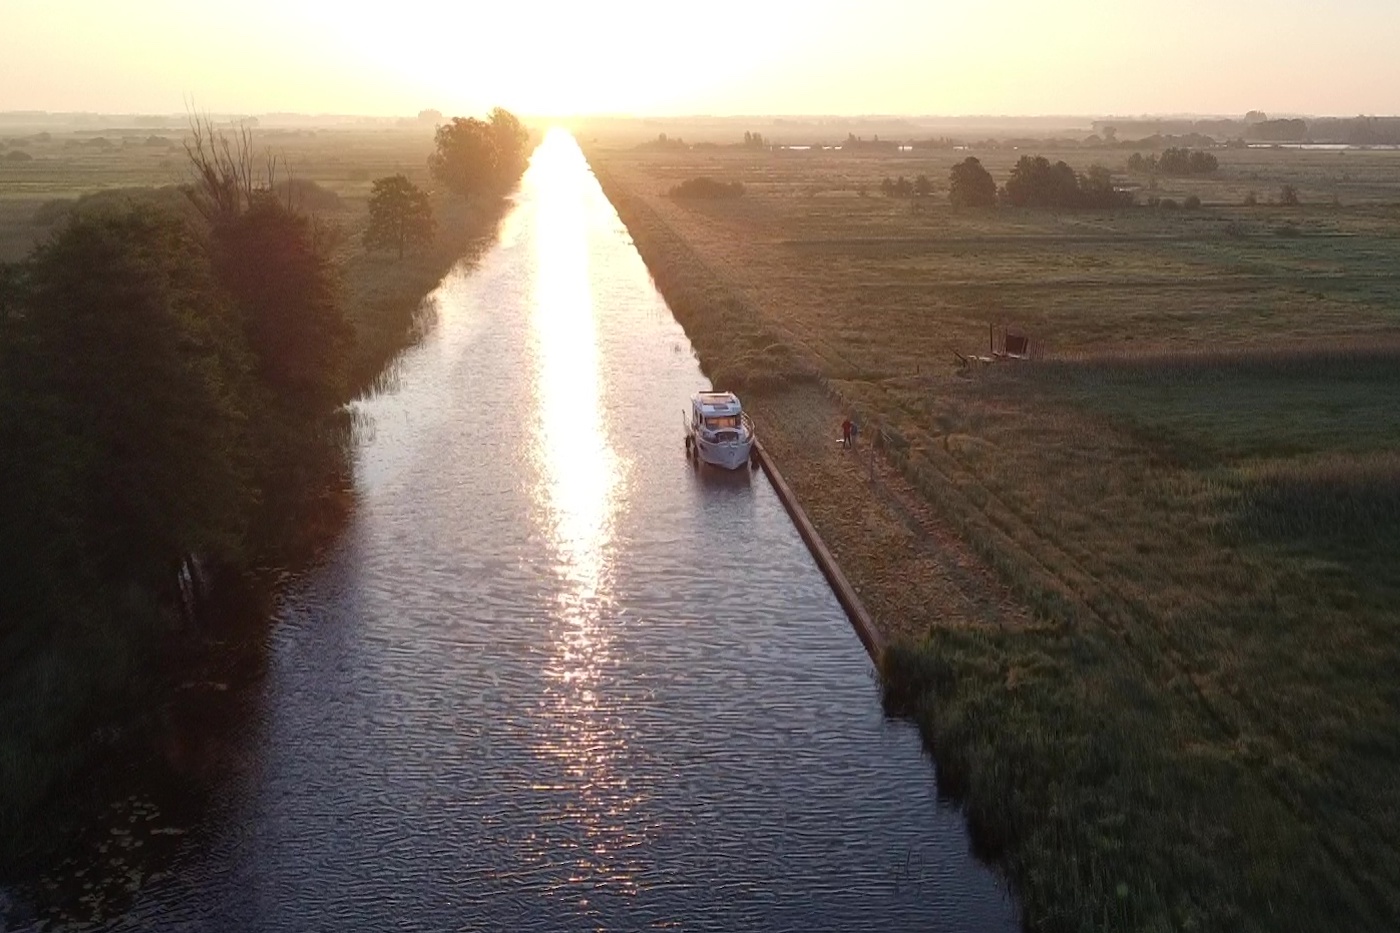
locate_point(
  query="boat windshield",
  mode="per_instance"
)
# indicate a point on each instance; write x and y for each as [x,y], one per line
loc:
[722,421]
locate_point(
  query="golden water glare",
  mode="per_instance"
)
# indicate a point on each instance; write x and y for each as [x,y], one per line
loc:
[579,465]
[580,479]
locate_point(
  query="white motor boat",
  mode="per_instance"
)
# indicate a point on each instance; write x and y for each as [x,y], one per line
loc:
[718,431]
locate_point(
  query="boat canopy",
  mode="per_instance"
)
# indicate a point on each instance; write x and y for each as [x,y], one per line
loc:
[712,404]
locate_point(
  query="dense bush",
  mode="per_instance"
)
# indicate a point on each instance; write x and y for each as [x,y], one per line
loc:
[1035,182]
[708,188]
[303,194]
[1174,161]
[902,188]
[971,185]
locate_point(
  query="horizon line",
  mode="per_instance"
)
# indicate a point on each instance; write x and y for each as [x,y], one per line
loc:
[870,115]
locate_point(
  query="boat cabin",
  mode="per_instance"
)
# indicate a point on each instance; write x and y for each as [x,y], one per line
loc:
[716,413]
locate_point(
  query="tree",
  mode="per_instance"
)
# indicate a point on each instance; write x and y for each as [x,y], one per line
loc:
[922,187]
[971,185]
[1288,196]
[1183,161]
[511,139]
[1203,163]
[1034,182]
[1096,188]
[12,291]
[465,160]
[138,359]
[269,261]
[225,178]
[399,213]
[480,157]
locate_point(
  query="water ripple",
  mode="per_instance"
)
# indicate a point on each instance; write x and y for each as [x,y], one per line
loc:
[554,679]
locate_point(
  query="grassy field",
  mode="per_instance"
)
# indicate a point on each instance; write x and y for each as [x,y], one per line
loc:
[1146,582]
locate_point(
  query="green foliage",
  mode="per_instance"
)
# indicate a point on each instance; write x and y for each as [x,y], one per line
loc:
[971,185]
[922,187]
[479,157]
[512,145]
[1035,182]
[168,198]
[897,188]
[307,196]
[706,188]
[126,339]
[172,364]
[465,159]
[284,287]
[400,213]
[13,287]
[1175,161]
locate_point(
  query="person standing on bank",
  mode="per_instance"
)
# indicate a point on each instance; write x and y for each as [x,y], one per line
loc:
[846,432]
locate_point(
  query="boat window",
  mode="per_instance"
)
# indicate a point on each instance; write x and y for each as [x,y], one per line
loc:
[722,421]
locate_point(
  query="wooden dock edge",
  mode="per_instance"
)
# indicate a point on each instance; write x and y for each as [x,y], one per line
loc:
[845,593]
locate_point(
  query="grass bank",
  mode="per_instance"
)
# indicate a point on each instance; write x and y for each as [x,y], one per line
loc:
[384,295]
[1148,612]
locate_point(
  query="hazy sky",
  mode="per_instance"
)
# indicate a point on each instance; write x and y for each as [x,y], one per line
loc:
[718,56]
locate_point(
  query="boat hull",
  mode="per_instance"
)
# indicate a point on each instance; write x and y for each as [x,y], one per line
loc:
[730,455]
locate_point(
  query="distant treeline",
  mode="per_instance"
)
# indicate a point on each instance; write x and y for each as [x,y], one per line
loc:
[1147,135]
[1257,127]
[1034,182]
[172,387]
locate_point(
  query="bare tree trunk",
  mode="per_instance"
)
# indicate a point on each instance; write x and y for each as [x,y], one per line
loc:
[225,178]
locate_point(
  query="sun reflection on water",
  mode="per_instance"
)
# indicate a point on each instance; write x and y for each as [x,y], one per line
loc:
[580,477]
[579,467]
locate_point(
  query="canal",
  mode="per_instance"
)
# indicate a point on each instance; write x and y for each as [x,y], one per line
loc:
[551,677]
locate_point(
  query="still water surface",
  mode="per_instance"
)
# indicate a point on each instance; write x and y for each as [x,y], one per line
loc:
[551,677]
